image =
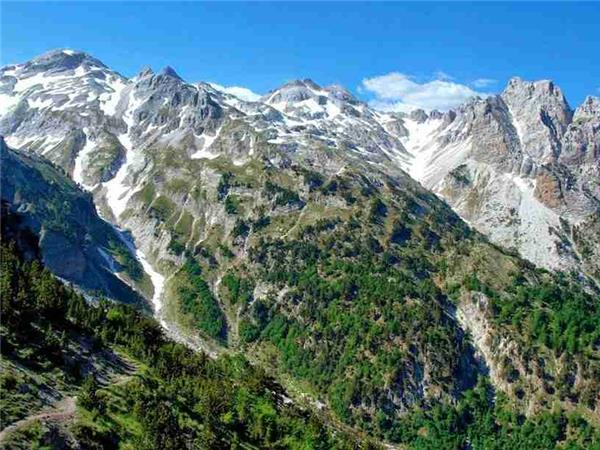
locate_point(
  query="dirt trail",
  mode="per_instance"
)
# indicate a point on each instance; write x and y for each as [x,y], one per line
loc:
[62,411]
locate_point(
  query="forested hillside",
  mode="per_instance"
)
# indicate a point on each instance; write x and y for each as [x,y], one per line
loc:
[136,389]
[133,388]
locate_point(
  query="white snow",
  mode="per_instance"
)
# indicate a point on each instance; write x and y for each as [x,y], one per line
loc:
[158,281]
[519,127]
[16,141]
[40,104]
[10,72]
[207,141]
[311,105]
[7,102]
[204,154]
[68,52]
[40,78]
[109,101]
[332,109]
[419,143]
[80,71]
[118,194]
[81,156]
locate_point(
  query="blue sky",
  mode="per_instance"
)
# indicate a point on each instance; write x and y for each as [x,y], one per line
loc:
[394,54]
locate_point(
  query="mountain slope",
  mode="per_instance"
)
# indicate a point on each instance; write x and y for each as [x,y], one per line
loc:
[290,230]
[521,167]
[123,385]
[75,243]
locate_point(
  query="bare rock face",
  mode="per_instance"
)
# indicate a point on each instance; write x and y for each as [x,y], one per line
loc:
[540,115]
[521,167]
[548,190]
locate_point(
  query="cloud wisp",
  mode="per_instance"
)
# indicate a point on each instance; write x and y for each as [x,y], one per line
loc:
[483,82]
[240,92]
[400,92]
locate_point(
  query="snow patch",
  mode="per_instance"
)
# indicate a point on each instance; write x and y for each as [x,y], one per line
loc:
[109,101]
[7,102]
[420,144]
[38,79]
[118,192]
[207,141]
[158,281]
[79,161]
[40,104]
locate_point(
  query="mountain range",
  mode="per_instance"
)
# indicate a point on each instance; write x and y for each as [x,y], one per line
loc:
[376,263]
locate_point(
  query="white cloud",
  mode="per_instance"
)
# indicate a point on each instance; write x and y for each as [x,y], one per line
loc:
[483,82]
[399,92]
[240,92]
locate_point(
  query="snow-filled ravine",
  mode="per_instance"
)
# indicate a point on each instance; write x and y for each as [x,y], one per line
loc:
[118,192]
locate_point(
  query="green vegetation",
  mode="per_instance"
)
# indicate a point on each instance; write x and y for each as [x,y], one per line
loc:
[177,399]
[282,196]
[122,255]
[559,314]
[224,185]
[360,284]
[162,208]
[477,422]
[232,204]
[176,247]
[349,301]
[198,302]
[239,289]
[240,229]
[104,158]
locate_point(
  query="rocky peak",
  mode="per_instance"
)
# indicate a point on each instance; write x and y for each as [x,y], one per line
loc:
[145,72]
[542,91]
[342,94]
[540,114]
[311,84]
[418,115]
[589,107]
[61,60]
[168,71]
[435,114]
[291,92]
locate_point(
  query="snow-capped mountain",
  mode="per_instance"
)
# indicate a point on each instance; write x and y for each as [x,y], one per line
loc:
[521,167]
